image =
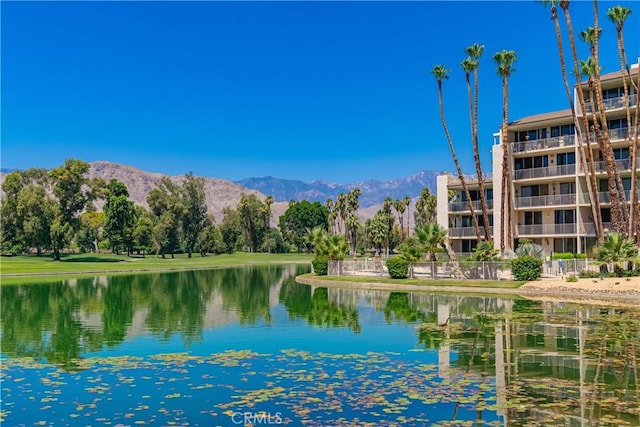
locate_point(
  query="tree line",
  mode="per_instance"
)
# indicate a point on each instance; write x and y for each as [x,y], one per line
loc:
[55,211]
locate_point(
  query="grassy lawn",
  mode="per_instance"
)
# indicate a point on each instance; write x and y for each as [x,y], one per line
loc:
[89,263]
[505,284]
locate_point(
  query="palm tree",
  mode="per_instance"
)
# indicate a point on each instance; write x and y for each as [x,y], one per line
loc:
[616,190]
[386,207]
[441,73]
[471,64]
[616,250]
[585,153]
[411,252]
[431,237]
[315,236]
[618,15]
[505,60]
[407,202]
[332,214]
[399,206]
[587,70]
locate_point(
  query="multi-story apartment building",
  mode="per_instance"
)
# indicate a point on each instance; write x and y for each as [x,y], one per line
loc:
[551,204]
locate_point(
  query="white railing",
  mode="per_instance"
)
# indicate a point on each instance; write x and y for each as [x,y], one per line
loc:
[614,135]
[615,103]
[549,200]
[545,171]
[464,206]
[543,144]
[622,165]
[466,231]
[429,270]
[469,179]
[548,229]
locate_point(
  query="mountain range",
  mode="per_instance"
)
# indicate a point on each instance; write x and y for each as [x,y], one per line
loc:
[222,193]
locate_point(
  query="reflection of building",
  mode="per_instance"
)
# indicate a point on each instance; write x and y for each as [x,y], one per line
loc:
[550,196]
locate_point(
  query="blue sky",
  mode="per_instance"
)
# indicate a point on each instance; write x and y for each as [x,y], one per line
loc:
[337,91]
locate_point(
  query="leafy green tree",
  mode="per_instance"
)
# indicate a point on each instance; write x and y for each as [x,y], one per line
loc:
[253,220]
[143,231]
[90,232]
[74,192]
[301,217]
[167,208]
[210,239]
[35,211]
[231,230]
[195,207]
[119,218]
[377,230]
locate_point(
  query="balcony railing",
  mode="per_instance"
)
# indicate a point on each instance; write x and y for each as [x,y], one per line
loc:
[615,103]
[469,179]
[589,228]
[466,231]
[464,206]
[543,144]
[549,200]
[546,229]
[604,197]
[614,134]
[558,170]
[623,165]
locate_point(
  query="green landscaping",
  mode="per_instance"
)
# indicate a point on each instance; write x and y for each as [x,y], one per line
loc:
[97,263]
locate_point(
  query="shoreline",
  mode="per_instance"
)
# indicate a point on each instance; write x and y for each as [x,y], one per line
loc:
[585,291]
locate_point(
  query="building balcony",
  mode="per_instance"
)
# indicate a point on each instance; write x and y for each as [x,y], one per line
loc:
[614,103]
[623,165]
[558,170]
[604,197]
[546,229]
[466,231]
[549,200]
[454,180]
[464,206]
[589,228]
[614,135]
[543,144]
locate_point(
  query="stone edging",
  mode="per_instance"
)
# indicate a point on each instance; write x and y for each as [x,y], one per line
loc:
[530,291]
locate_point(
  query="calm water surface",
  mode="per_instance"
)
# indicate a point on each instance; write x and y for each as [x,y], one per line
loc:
[249,346]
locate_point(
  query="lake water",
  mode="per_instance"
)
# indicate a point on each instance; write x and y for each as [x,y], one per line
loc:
[250,346]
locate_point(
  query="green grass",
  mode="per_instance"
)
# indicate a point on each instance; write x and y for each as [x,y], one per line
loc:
[96,263]
[504,284]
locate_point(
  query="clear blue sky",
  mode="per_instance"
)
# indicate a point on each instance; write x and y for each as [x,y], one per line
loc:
[338,91]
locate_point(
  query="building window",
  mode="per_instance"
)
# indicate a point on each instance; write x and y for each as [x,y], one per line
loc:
[567,188]
[567,216]
[621,153]
[564,245]
[469,245]
[566,158]
[612,93]
[617,123]
[531,162]
[532,218]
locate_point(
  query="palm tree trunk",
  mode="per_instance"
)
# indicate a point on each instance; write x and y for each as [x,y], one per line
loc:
[473,118]
[457,163]
[617,197]
[505,222]
[584,145]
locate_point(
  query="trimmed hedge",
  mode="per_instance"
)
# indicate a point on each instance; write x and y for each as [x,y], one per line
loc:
[568,255]
[398,267]
[320,265]
[526,268]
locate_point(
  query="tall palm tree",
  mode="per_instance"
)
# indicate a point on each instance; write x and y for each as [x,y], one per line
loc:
[432,237]
[586,70]
[616,191]
[399,206]
[332,214]
[470,64]
[441,73]
[581,139]
[407,202]
[618,15]
[386,207]
[505,60]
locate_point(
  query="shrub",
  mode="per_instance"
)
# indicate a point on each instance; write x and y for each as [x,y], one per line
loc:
[568,255]
[398,267]
[320,265]
[526,268]
[572,279]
